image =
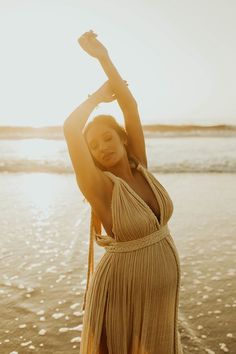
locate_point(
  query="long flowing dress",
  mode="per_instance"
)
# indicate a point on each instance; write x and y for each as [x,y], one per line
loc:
[131,300]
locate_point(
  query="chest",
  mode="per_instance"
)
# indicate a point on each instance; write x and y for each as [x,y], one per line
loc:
[142,191]
[145,193]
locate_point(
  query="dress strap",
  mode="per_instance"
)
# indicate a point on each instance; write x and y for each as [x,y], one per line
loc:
[95,230]
[111,175]
[90,269]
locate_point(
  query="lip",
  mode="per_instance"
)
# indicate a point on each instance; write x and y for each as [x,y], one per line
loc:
[107,156]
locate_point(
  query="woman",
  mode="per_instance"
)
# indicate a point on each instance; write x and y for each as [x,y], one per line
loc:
[132,298]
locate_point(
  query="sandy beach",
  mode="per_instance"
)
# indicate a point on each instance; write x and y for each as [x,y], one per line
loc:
[43,260]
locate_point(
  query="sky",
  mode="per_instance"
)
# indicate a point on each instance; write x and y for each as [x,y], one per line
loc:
[178,57]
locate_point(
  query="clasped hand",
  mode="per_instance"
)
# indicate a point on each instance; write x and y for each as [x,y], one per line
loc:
[91,45]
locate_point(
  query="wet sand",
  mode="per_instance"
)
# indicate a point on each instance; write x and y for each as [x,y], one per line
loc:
[43,261]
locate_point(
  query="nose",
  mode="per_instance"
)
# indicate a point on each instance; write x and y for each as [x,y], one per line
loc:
[104,150]
[103,147]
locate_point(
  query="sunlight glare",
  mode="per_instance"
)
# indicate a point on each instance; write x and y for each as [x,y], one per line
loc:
[38,189]
[33,148]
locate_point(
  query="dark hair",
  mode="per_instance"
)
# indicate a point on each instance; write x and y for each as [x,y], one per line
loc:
[112,123]
[108,120]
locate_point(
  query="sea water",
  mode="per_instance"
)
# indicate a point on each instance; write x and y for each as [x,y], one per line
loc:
[45,234]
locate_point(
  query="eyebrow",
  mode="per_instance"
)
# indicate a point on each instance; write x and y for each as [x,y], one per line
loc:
[108,131]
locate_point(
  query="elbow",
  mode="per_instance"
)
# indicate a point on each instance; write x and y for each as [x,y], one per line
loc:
[72,127]
[66,126]
[135,103]
[67,122]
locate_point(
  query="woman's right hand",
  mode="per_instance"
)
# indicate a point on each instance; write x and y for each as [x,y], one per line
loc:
[91,45]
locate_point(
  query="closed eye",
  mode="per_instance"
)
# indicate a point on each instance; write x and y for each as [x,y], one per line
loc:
[93,145]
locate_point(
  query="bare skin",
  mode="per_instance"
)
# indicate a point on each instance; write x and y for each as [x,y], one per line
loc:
[103,140]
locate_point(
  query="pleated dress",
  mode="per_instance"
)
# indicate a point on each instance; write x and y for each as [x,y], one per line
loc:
[132,297]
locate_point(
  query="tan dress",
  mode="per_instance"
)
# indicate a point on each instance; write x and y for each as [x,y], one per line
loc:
[131,300]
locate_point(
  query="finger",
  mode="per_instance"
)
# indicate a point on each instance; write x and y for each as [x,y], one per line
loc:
[87,35]
[93,33]
[82,38]
[83,42]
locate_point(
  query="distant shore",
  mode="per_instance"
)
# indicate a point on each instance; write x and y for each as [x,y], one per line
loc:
[56,132]
[186,127]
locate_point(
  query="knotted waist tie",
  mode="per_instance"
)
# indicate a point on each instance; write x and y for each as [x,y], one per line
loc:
[133,245]
[112,246]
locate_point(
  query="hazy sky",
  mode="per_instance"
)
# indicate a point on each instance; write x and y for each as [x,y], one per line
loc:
[178,57]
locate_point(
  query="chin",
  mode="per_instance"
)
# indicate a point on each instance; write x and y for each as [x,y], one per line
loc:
[109,166]
[109,163]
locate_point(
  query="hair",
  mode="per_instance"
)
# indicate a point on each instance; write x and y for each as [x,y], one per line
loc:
[108,120]
[112,123]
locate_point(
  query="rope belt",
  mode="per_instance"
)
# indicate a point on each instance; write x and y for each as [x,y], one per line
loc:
[133,245]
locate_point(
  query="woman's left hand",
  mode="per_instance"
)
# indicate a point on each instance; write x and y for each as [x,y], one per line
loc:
[89,43]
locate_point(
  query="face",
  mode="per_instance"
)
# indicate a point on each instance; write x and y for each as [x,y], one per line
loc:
[105,145]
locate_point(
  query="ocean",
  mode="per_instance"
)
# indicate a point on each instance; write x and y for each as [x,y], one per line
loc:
[167,154]
[45,233]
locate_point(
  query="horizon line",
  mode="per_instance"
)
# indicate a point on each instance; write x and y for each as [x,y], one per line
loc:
[143,125]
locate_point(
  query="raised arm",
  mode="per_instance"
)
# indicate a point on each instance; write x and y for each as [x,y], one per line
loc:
[88,176]
[126,101]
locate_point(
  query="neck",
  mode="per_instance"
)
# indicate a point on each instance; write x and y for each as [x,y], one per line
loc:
[124,169]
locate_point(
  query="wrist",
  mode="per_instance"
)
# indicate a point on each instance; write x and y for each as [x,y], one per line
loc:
[104,57]
[94,98]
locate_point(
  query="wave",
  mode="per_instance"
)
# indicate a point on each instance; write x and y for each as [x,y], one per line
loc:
[226,166]
[150,130]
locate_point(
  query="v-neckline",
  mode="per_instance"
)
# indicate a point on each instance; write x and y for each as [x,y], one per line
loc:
[138,196]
